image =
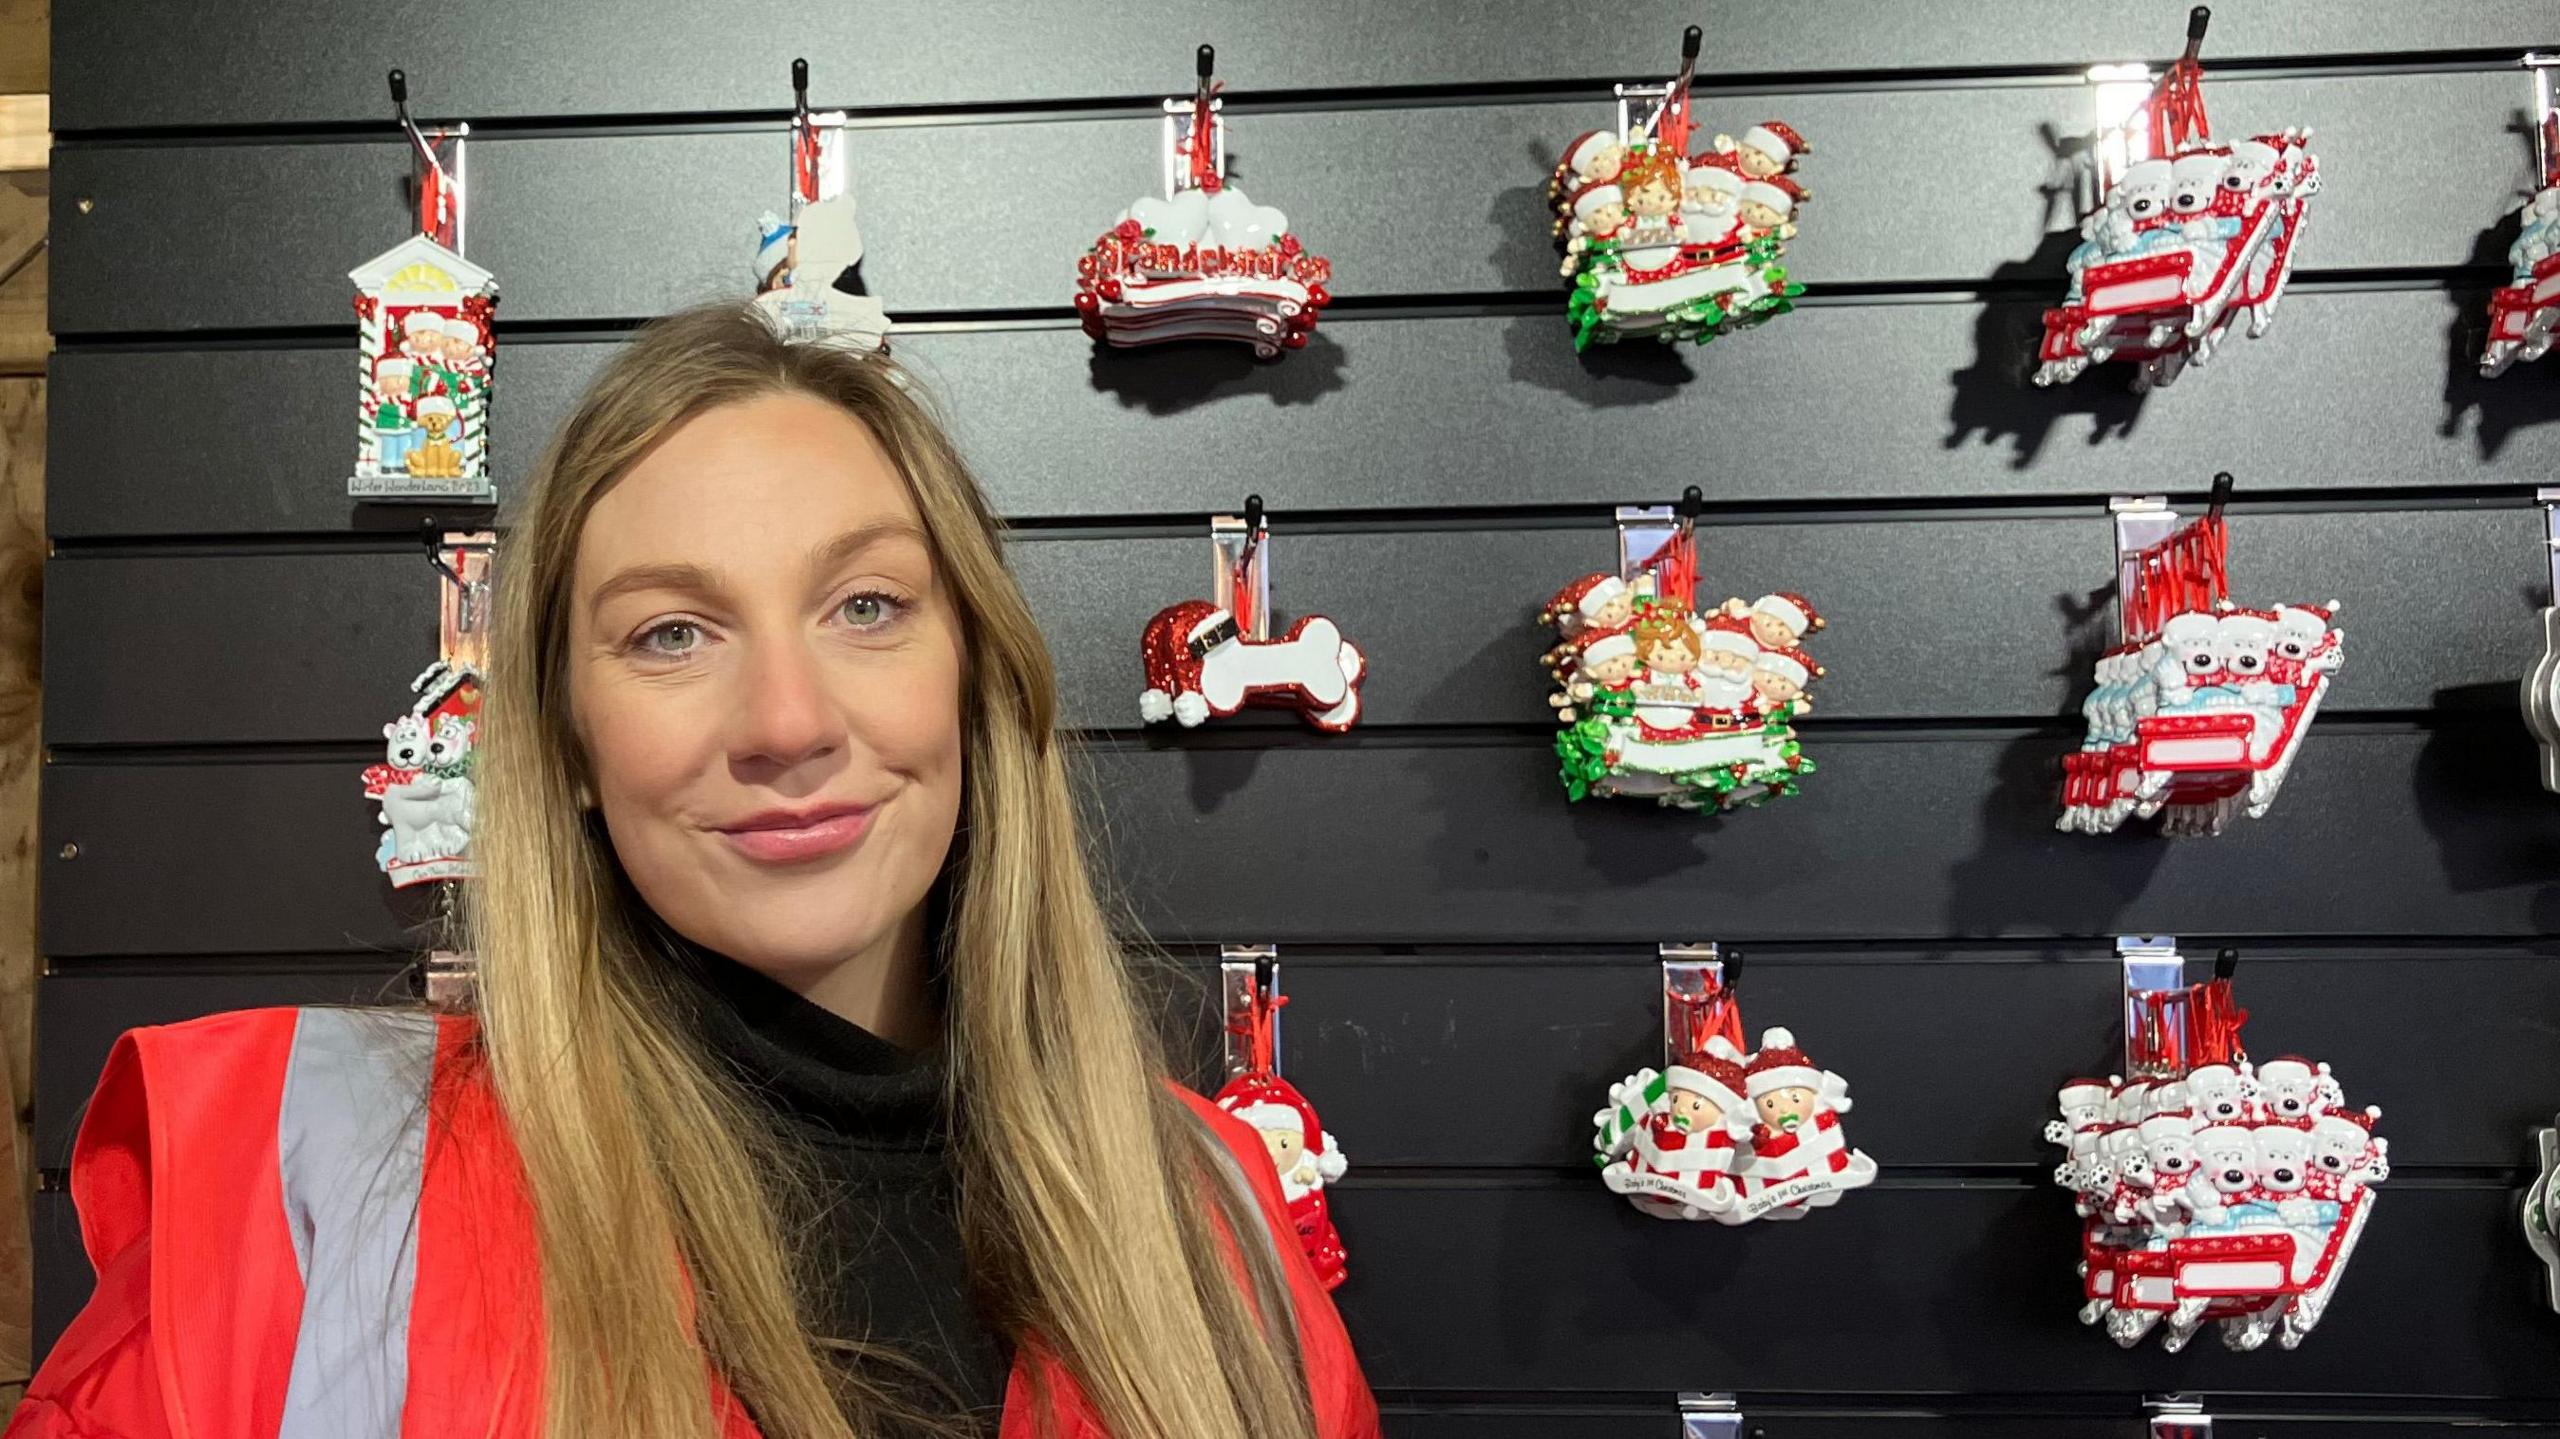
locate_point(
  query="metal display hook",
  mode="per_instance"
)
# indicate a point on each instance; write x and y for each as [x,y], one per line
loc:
[1710,1416]
[462,557]
[1641,103]
[1250,983]
[441,188]
[817,146]
[1242,584]
[2155,1028]
[2178,1416]
[1183,169]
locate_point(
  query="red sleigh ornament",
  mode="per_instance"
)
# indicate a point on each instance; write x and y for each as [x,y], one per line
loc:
[2198,713]
[2188,234]
[1209,658]
[1306,1156]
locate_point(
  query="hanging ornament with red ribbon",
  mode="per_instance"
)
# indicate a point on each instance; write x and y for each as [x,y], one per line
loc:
[1306,1157]
[2524,314]
[1210,658]
[1696,711]
[2211,1189]
[1719,1133]
[2183,233]
[1204,262]
[426,349]
[1662,243]
[808,267]
[2197,713]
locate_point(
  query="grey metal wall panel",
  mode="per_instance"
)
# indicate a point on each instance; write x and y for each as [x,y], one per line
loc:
[1405,413]
[2392,831]
[1464,1286]
[1952,1057]
[150,64]
[1460,188]
[2437,601]
[1788,1418]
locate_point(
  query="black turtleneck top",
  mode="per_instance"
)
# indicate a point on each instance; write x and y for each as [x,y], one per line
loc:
[883,1254]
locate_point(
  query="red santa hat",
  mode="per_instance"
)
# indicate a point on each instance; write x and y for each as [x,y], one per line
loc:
[1732,641]
[1780,1065]
[1617,644]
[1790,609]
[1173,665]
[1776,139]
[1712,1075]
[1765,193]
[1266,1101]
[1590,198]
[1715,174]
[2085,1090]
[1585,146]
[1569,598]
[1790,663]
[1603,591]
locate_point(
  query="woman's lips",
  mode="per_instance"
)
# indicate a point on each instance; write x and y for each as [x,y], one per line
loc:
[792,843]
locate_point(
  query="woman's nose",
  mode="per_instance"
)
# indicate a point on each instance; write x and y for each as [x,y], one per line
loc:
[785,714]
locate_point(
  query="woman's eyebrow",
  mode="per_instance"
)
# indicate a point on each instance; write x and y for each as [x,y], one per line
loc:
[686,578]
[830,553]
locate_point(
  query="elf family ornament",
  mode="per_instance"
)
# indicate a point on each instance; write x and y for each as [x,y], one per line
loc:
[1695,710]
[2525,313]
[2182,234]
[1305,1155]
[1210,658]
[1662,242]
[1204,262]
[2199,710]
[1720,1134]
[425,352]
[807,268]
[2211,1189]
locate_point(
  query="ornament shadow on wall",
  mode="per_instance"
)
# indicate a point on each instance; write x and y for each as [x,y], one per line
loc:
[1624,374]
[2520,400]
[2467,766]
[1172,379]
[2089,881]
[1991,399]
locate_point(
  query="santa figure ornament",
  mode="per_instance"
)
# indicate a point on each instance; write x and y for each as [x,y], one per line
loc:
[2182,234]
[2525,313]
[426,354]
[1664,243]
[2198,712]
[808,269]
[1211,658]
[1203,262]
[1304,1154]
[2211,1190]
[1694,710]
[1720,1134]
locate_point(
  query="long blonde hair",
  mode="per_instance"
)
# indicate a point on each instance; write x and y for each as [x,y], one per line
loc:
[1096,1219]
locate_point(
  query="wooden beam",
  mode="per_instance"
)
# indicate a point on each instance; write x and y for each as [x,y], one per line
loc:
[26,46]
[26,132]
[22,546]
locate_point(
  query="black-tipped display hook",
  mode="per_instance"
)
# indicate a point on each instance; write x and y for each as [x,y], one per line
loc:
[2221,491]
[1253,516]
[2226,963]
[1731,959]
[1690,40]
[1693,503]
[2197,20]
[400,93]
[1207,62]
[800,86]
[433,534]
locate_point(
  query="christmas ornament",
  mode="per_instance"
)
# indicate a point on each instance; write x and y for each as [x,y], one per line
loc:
[2198,712]
[2541,1208]
[807,267]
[1664,243]
[2211,1190]
[2181,234]
[1204,262]
[1695,710]
[1720,1134]
[426,354]
[1306,1156]
[1213,657]
[2525,313]
[423,783]
[2541,691]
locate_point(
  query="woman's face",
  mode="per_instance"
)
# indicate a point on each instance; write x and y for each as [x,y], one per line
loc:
[766,673]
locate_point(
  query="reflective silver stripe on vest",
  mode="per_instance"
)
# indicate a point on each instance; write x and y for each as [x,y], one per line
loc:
[351,1144]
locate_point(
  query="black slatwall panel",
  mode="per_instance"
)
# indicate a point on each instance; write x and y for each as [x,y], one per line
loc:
[1470,956]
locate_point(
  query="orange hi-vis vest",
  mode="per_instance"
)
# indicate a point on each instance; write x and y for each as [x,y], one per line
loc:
[309,1223]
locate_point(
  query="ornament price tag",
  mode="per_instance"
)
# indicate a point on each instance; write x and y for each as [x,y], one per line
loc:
[2184,233]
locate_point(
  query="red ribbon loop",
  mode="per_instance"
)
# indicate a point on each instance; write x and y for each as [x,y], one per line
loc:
[1204,155]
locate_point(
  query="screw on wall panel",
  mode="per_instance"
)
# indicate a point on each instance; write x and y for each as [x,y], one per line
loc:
[70,851]
[84,204]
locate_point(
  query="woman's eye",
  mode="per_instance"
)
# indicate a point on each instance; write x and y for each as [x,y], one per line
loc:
[675,637]
[870,611]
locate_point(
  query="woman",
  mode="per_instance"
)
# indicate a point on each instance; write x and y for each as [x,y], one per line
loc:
[806,1093]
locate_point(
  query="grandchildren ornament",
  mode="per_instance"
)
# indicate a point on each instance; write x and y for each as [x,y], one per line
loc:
[1204,262]
[807,269]
[1720,1134]
[2199,710]
[1656,699]
[1304,1154]
[1669,244]
[1210,658]
[2211,1189]
[425,352]
[2182,235]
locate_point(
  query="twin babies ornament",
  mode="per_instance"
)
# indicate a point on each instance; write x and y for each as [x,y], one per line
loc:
[2211,1189]
[2188,234]
[1694,710]
[1728,1136]
[1673,245]
[2197,715]
[1204,262]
